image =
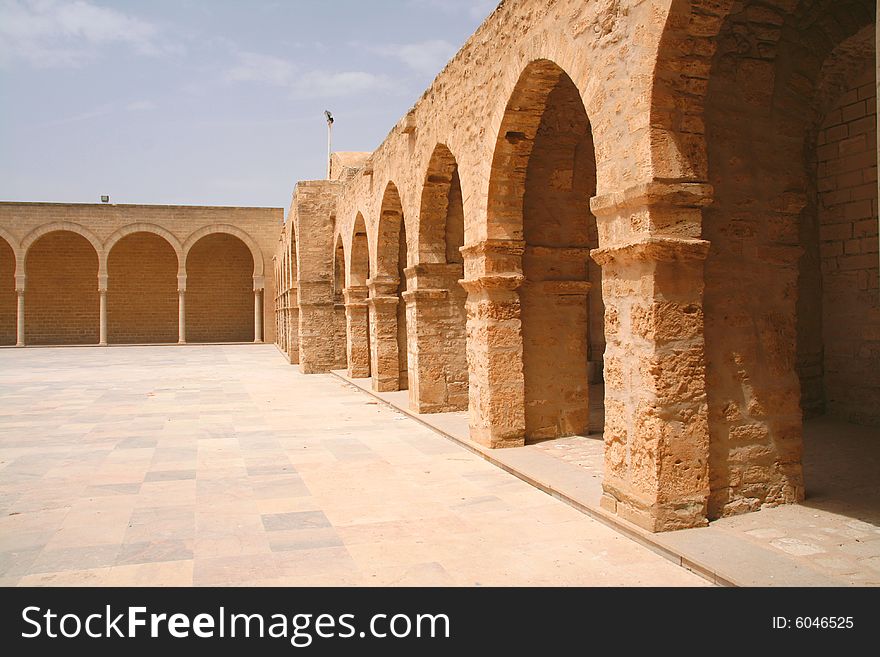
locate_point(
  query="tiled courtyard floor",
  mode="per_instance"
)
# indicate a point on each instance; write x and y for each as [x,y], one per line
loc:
[222,465]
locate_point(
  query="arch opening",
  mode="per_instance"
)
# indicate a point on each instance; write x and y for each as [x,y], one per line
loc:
[388,310]
[438,363]
[543,176]
[142,305]
[219,290]
[62,300]
[8,297]
[790,118]
[340,331]
[357,312]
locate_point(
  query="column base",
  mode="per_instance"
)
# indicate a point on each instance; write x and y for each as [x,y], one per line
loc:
[657,517]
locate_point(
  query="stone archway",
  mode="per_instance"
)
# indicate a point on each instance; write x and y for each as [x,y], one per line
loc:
[761,116]
[532,315]
[62,305]
[142,297]
[436,312]
[219,290]
[388,330]
[340,340]
[8,297]
[357,315]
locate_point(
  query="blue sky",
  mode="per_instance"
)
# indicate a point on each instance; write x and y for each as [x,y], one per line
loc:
[214,102]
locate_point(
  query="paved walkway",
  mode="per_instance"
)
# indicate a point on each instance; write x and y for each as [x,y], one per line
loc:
[222,465]
[832,539]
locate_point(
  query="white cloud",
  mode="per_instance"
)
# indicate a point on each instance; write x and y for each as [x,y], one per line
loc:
[254,67]
[54,33]
[320,84]
[426,57]
[275,71]
[141,106]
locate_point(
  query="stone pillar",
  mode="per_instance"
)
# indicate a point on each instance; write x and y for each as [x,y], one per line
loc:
[357,331]
[656,417]
[316,326]
[181,316]
[383,335]
[181,308]
[438,375]
[340,359]
[293,344]
[258,316]
[19,320]
[102,332]
[493,273]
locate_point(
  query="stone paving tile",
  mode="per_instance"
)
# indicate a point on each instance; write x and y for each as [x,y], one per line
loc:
[154,551]
[222,465]
[295,520]
[170,475]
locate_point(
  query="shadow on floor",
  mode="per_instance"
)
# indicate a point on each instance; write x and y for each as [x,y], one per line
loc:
[841,468]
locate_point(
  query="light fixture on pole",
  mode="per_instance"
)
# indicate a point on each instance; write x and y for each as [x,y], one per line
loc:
[329,117]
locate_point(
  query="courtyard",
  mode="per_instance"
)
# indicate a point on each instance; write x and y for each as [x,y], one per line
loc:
[223,465]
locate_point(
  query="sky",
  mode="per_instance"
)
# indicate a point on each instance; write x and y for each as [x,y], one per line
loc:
[207,102]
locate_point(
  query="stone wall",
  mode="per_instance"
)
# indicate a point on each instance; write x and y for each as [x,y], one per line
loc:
[847,184]
[131,244]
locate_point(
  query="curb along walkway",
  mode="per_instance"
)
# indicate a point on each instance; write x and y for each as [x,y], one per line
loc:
[719,556]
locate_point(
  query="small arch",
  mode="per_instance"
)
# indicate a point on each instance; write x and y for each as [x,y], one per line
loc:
[143,227]
[340,337]
[219,288]
[390,231]
[62,299]
[142,282]
[441,214]
[60,226]
[8,297]
[230,230]
[13,243]
[357,314]
[338,269]
[439,370]
[359,263]
[543,176]
[390,280]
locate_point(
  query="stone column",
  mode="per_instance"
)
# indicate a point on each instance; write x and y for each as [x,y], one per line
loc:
[383,335]
[258,317]
[102,332]
[357,331]
[293,341]
[181,308]
[181,316]
[493,273]
[19,325]
[656,417]
[317,324]
[340,357]
[438,376]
